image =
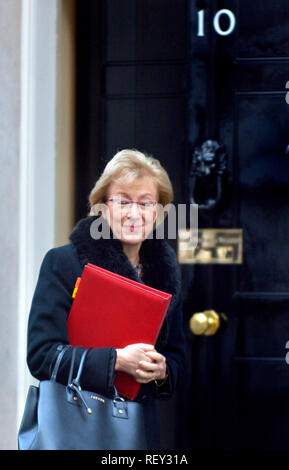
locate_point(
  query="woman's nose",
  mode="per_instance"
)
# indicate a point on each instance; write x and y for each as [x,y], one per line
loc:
[134,210]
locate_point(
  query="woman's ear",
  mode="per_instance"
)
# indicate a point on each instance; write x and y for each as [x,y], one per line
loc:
[100,209]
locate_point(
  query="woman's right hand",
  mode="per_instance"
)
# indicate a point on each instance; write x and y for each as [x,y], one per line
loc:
[128,358]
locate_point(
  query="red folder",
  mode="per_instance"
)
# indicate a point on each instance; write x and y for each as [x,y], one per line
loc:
[110,310]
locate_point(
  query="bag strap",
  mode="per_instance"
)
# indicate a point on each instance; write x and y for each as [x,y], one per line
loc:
[74,383]
[76,380]
[80,367]
[58,361]
[71,366]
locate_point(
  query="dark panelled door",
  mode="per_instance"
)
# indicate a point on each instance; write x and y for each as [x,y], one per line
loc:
[131,64]
[163,76]
[239,386]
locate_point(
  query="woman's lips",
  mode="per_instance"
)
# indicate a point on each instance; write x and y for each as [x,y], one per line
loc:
[133,227]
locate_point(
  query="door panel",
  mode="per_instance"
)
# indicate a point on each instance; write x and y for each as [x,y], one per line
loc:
[145,30]
[263,28]
[263,190]
[262,410]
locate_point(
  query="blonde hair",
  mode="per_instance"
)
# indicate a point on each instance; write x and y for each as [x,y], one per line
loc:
[126,166]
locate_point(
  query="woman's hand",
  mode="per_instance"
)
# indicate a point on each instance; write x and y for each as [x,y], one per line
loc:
[142,361]
[129,358]
[154,367]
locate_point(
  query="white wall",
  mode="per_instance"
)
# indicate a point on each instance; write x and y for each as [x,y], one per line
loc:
[37,173]
[37,160]
[10,40]
[28,36]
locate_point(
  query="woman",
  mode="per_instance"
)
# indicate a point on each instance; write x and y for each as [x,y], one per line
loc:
[131,188]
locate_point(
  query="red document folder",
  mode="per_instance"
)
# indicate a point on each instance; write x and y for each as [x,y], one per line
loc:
[110,310]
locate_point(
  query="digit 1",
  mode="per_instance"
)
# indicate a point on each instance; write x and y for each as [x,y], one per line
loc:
[287,101]
[201,23]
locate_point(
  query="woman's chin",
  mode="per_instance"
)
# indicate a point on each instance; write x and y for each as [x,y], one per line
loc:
[133,236]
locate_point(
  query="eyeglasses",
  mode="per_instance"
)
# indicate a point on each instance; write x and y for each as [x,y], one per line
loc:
[125,204]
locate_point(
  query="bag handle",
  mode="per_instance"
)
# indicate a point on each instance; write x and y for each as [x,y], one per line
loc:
[73,385]
[76,380]
[58,361]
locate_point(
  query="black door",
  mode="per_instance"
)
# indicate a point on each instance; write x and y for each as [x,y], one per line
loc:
[165,76]
[239,385]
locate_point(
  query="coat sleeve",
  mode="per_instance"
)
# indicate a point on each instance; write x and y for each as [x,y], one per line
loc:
[47,328]
[174,352]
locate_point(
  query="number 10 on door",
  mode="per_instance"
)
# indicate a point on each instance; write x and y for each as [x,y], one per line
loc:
[216,22]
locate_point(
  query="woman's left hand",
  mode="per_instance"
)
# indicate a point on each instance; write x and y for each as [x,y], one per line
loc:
[149,371]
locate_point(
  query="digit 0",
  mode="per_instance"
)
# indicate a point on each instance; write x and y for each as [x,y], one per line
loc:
[232,22]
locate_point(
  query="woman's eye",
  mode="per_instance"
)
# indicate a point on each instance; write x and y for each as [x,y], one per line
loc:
[146,203]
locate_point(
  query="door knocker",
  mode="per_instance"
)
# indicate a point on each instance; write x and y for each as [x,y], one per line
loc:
[209,163]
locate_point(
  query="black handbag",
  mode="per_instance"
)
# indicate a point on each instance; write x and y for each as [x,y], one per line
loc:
[65,417]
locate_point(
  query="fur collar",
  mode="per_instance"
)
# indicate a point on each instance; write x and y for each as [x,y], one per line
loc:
[160,266]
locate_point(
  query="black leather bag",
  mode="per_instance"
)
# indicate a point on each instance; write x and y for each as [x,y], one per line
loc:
[59,417]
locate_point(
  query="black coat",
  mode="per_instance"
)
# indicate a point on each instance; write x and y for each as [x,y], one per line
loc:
[47,328]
